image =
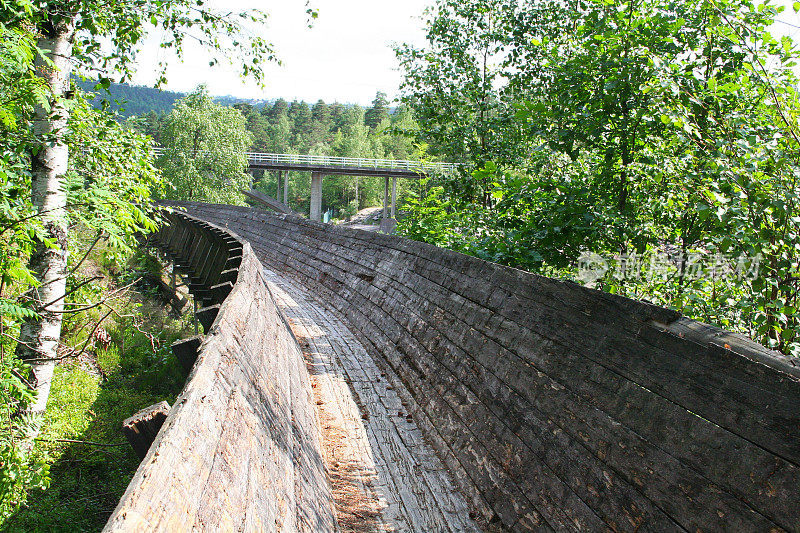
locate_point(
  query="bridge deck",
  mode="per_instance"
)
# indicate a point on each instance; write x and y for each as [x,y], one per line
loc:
[384,476]
[348,166]
[329,170]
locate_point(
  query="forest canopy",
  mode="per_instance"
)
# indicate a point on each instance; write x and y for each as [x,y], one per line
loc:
[296,127]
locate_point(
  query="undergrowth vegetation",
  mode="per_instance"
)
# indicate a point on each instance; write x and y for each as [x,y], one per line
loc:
[117,368]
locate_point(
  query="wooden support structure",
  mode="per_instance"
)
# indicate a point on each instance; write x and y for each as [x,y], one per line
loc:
[265,200]
[166,291]
[241,448]
[141,429]
[186,350]
[207,315]
[220,292]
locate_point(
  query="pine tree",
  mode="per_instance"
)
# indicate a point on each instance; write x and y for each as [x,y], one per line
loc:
[378,112]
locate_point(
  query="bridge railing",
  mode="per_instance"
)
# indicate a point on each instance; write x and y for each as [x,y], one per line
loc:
[359,162]
[330,161]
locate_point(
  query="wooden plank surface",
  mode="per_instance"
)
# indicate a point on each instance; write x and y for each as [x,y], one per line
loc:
[240,450]
[384,476]
[557,407]
[268,201]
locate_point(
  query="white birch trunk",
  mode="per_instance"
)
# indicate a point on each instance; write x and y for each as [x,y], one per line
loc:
[39,339]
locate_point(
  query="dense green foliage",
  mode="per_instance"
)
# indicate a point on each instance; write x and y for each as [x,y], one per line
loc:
[204,151]
[130,100]
[655,142]
[107,185]
[127,364]
[20,90]
[106,171]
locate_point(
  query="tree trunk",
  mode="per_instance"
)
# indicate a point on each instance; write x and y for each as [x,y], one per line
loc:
[39,339]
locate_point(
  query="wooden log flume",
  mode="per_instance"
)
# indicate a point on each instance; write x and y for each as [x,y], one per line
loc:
[240,448]
[553,406]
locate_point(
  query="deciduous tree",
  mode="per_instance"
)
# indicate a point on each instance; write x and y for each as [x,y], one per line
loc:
[204,151]
[97,37]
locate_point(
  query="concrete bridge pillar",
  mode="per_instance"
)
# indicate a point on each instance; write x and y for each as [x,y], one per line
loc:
[278,186]
[286,187]
[385,197]
[388,223]
[394,197]
[316,197]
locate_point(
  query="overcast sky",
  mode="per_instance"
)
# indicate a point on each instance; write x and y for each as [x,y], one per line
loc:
[345,57]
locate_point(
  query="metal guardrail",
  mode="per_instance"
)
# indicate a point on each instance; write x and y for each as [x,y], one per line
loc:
[358,162]
[341,162]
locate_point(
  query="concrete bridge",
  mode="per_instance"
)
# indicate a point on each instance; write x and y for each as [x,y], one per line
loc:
[322,165]
[348,166]
[353,381]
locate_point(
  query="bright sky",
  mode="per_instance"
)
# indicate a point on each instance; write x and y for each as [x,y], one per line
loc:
[789,21]
[346,56]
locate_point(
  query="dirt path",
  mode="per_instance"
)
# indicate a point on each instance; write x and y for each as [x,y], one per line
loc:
[383,474]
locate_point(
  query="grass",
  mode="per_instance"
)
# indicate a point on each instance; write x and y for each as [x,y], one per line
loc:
[127,367]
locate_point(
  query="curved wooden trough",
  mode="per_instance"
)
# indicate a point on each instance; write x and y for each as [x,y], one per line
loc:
[239,450]
[555,407]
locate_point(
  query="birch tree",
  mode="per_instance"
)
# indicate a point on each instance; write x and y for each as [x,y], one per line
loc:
[98,38]
[204,151]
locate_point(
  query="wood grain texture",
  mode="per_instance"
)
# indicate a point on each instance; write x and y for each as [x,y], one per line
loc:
[240,449]
[384,475]
[557,407]
[142,428]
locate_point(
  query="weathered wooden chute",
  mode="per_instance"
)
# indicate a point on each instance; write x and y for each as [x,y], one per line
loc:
[553,406]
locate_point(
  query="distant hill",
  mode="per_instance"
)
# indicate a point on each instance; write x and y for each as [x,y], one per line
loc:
[132,100]
[233,100]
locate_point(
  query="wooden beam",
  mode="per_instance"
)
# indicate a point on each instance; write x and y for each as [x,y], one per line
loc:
[141,429]
[185,351]
[268,201]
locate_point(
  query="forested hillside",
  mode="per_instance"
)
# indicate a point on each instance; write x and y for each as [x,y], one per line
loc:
[133,100]
[280,126]
[129,100]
